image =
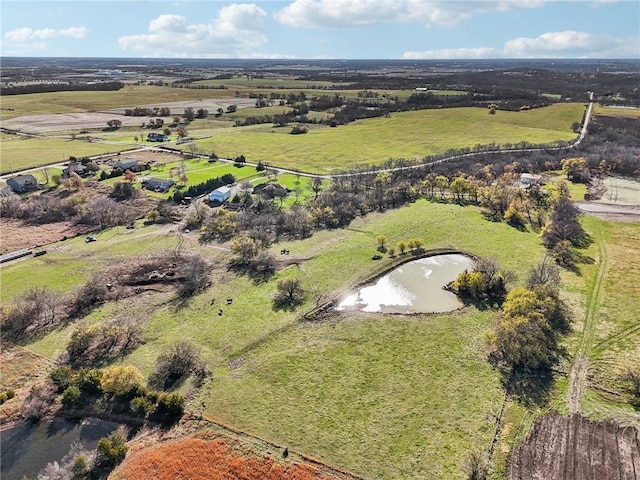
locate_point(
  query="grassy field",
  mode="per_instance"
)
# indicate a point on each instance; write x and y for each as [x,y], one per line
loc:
[389,397]
[129,96]
[17,153]
[617,112]
[402,135]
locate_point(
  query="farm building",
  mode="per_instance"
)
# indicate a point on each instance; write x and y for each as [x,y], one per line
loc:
[220,194]
[157,184]
[74,167]
[23,183]
[125,163]
[527,180]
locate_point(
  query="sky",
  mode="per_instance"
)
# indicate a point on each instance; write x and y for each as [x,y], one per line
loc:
[322,29]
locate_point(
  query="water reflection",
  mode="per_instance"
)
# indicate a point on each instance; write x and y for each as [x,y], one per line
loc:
[27,447]
[414,287]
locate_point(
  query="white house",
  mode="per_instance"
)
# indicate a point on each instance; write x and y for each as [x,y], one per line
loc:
[220,194]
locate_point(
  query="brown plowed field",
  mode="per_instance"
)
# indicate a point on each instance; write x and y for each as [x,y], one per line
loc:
[575,448]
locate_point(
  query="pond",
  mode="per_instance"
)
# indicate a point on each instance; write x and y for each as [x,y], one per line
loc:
[413,287]
[26,448]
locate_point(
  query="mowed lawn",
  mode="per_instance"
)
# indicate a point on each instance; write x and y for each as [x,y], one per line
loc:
[403,135]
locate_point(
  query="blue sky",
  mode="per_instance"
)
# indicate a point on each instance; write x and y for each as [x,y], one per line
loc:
[316,29]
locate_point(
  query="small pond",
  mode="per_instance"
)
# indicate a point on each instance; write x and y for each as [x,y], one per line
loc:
[413,287]
[27,447]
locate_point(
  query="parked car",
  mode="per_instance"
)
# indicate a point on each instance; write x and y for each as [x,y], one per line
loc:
[90,239]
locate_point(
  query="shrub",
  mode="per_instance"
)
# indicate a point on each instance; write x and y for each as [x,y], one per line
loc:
[180,360]
[143,406]
[88,380]
[169,408]
[120,380]
[70,396]
[111,450]
[63,377]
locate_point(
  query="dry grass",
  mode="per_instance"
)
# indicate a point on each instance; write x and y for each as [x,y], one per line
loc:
[210,459]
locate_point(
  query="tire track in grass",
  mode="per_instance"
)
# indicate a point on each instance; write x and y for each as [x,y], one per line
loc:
[578,374]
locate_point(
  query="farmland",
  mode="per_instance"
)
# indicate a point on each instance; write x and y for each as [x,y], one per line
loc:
[368,395]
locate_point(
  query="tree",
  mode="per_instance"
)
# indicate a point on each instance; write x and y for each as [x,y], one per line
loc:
[189,114]
[576,169]
[381,241]
[232,108]
[544,273]
[315,184]
[114,124]
[195,275]
[402,246]
[179,360]
[245,247]
[202,113]
[119,380]
[442,183]
[289,294]
[564,224]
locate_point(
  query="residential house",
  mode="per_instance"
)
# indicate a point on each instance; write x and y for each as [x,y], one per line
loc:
[157,184]
[23,183]
[125,164]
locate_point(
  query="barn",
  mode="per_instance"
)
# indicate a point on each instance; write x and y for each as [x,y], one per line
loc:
[220,194]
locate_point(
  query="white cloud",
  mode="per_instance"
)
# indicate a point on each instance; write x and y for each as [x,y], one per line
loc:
[236,30]
[354,13]
[567,44]
[25,34]
[452,53]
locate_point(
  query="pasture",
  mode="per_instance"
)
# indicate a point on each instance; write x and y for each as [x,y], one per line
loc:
[403,135]
[384,396]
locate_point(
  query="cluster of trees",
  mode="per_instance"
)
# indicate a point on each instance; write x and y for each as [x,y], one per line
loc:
[487,282]
[121,387]
[79,207]
[114,124]
[38,309]
[526,335]
[48,87]
[147,112]
[563,232]
[204,187]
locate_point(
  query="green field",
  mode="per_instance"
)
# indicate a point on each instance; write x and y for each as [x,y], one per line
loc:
[617,112]
[370,393]
[403,135]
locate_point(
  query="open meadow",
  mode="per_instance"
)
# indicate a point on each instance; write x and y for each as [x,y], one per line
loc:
[407,135]
[383,396]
